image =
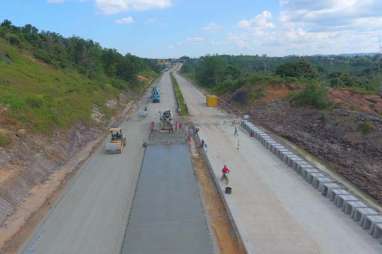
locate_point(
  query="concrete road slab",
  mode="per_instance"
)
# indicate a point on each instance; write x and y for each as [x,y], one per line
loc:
[167,215]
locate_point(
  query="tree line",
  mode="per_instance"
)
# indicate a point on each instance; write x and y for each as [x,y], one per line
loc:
[352,71]
[85,56]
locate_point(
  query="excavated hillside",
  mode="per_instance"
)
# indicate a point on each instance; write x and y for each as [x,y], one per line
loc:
[347,136]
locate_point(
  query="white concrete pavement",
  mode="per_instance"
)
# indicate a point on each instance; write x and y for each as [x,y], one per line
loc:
[275,210]
[91,216]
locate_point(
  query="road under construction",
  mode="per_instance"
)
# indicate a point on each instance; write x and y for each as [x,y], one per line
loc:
[148,199]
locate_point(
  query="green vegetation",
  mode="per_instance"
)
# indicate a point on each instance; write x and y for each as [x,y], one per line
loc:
[313,95]
[182,106]
[4,139]
[246,77]
[366,127]
[84,56]
[297,69]
[47,81]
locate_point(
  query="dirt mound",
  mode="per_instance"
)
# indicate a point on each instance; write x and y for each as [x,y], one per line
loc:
[142,78]
[357,101]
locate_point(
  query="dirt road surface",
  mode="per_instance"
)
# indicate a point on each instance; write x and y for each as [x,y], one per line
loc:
[92,213]
[275,210]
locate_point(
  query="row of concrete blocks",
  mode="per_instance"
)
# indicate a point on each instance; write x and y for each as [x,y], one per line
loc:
[367,217]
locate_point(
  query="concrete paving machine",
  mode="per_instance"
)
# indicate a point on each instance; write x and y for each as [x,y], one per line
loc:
[117,141]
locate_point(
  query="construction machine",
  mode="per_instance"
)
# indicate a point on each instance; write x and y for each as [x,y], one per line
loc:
[117,141]
[166,120]
[155,95]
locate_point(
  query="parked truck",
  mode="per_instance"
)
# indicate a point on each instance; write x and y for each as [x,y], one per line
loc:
[155,95]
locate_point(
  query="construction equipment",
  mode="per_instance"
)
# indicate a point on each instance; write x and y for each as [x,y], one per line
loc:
[117,141]
[166,120]
[212,101]
[155,95]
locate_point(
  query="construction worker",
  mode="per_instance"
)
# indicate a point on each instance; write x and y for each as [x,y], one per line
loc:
[236,132]
[225,172]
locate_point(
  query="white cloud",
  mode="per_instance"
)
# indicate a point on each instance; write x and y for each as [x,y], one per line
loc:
[262,21]
[195,39]
[311,27]
[329,15]
[116,6]
[211,27]
[239,40]
[56,1]
[125,21]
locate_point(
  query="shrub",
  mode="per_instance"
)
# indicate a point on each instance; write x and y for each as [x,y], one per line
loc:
[366,127]
[297,69]
[241,97]
[313,95]
[4,139]
[34,101]
[13,40]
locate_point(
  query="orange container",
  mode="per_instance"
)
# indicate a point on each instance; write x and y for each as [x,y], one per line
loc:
[212,101]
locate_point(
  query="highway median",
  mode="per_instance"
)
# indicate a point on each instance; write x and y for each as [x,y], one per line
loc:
[181,104]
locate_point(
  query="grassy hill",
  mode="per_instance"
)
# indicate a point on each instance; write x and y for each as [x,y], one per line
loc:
[42,95]
[39,96]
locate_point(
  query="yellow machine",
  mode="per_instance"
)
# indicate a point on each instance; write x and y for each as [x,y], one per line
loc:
[212,101]
[117,141]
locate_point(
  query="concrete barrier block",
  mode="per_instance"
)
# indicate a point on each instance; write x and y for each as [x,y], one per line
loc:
[296,161]
[340,200]
[325,188]
[268,144]
[284,155]
[300,166]
[370,220]
[267,139]
[350,206]
[312,176]
[376,230]
[289,159]
[296,164]
[280,151]
[332,193]
[359,213]
[281,154]
[297,167]
[275,148]
[272,143]
[317,181]
[308,170]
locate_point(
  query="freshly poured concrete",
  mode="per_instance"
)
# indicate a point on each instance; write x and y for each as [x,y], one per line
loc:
[167,215]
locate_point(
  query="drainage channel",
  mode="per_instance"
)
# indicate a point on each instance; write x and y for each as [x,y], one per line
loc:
[167,215]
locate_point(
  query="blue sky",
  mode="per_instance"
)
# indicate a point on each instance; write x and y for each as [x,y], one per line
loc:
[172,28]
